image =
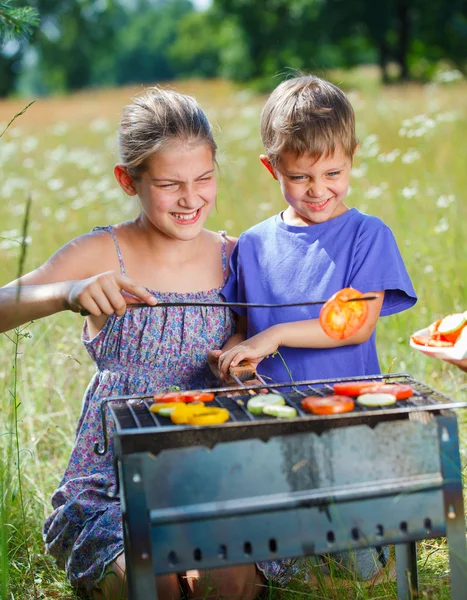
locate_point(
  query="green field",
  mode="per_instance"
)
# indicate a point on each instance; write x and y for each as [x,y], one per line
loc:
[410,171]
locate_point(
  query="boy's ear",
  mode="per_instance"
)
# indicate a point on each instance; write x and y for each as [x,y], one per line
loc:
[125,180]
[266,162]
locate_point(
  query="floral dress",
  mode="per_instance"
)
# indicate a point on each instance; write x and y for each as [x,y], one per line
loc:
[145,350]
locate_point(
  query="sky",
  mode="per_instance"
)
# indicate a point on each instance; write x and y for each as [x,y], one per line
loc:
[200,4]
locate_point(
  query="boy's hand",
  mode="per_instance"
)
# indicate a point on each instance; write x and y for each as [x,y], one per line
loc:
[253,350]
[106,293]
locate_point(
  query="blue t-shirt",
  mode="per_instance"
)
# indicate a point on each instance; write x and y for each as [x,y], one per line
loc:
[278,263]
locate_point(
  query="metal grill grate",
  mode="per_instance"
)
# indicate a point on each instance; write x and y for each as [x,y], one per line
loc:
[132,412]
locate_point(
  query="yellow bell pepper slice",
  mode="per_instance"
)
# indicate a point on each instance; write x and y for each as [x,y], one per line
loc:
[157,406]
[182,413]
[210,416]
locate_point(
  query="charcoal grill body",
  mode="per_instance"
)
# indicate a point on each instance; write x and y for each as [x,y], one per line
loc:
[264,489]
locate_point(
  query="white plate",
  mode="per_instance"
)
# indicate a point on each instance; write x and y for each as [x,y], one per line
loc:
[456,352]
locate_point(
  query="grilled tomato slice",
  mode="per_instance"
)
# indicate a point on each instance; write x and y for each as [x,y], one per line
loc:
[328,405]
[353,388]
[401,391]
[340,319]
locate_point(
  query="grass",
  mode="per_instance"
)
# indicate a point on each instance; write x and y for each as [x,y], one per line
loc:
[410,171]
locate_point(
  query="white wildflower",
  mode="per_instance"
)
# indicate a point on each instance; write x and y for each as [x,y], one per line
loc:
[99,125]
[29,144]
[409,192]
[410,156]
[444,201]
[360,171]
[442,226]
[29,163]
[55,184]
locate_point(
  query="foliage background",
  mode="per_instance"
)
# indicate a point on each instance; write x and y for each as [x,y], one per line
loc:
[82,43]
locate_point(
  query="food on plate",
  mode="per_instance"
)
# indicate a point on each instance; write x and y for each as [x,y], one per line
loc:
[279,411]
[444,332]
[426,340]
[353,388]
[377,399]
[256,404]
[191,396]
[340,319]
[328,405]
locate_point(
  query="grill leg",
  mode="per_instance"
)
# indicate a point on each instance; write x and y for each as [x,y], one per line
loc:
[453,503]
[406,570]
[138,552]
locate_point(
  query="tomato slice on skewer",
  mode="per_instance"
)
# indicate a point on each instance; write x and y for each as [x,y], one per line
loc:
[328,405]
[353,388]
[340,319]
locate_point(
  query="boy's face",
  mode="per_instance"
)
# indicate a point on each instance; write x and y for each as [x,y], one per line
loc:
[314,189]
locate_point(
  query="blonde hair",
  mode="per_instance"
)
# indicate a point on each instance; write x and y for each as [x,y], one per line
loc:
[307,115]
[156,118]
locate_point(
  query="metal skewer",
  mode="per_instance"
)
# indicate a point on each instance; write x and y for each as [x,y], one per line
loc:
[85,313]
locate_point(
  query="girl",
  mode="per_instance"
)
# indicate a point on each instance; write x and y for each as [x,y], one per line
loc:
[167,160]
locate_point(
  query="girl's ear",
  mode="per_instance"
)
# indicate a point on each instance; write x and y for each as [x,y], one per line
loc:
[265,160]
[125,180]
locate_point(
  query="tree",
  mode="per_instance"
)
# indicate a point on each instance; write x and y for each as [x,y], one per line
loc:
[16,25]
[16,22]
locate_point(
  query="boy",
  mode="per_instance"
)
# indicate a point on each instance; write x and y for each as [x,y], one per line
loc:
[314,248]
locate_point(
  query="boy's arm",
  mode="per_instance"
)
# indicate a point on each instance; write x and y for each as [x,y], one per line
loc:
[299,334]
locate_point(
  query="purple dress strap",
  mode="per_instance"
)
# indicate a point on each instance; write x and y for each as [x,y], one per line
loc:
[109,229]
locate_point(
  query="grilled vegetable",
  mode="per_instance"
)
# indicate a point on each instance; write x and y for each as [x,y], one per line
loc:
[328,405]
[163,408]
[353,388]
[185,397]
[210,416]
[281,412]
[256,404]
[400,390]
[377,399]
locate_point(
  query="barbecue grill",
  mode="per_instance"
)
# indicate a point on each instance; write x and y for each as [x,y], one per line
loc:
[258,488]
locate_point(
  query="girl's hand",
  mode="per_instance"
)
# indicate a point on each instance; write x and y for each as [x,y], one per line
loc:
[106,294]
[213,362]
[253,349]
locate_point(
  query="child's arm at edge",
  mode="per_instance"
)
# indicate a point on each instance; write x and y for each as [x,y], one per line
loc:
[299,334]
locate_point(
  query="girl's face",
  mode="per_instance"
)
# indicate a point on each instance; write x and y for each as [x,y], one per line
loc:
[314,189]
[178,189]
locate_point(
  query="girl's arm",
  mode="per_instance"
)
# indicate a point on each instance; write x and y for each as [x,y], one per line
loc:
[299,334]
[68,281]
[237,338]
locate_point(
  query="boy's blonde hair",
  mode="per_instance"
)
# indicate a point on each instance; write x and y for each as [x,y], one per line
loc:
[156,118]
[307,115]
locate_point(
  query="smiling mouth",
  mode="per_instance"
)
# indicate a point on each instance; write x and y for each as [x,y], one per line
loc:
[186,218]
[317,206]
